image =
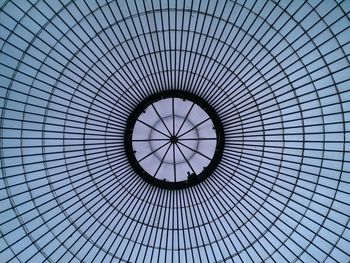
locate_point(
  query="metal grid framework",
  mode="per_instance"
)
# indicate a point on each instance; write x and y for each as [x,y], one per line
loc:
[276,73]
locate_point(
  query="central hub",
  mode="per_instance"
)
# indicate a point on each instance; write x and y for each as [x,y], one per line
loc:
[174,139]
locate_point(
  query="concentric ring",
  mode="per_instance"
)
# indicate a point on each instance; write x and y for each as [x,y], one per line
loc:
[275,72]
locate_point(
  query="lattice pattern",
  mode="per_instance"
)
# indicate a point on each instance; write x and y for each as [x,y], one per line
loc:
[276,73]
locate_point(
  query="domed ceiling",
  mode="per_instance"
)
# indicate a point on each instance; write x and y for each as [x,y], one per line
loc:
[175,131]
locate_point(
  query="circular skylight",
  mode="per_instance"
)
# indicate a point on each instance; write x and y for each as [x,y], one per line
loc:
[174,139]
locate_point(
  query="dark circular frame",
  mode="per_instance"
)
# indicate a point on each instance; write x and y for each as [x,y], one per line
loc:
[192,180]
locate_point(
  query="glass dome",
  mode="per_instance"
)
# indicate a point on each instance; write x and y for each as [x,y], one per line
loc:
[275,73]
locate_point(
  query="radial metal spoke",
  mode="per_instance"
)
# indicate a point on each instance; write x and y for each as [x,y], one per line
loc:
[149,140]
[174,162]
[167,135]
[173,113]
[183,155]
[154,151]
[162,161]
[161,119]
[193,150]
[194,127]
[198,139]
[184,120]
